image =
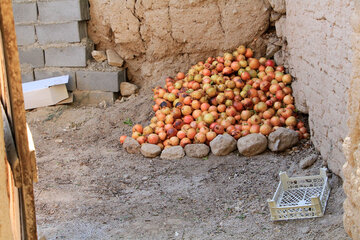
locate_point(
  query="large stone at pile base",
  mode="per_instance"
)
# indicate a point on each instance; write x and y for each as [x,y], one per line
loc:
[282,139]
[171,153]
[197,150]
[223,145]
[131,145]
[252,144]
[150,150]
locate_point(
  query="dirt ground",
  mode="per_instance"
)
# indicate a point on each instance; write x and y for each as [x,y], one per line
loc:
[90,188]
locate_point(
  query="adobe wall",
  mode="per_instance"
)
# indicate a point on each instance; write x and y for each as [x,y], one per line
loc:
[351,146]
[317,51]
[157,38]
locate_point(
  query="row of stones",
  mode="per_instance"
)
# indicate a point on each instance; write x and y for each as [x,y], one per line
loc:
[222,145]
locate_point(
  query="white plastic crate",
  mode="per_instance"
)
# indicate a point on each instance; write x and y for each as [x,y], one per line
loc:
[300,197]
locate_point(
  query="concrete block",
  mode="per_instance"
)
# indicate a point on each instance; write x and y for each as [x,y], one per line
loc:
[73,56]
[32,56]
[27,75]
[42,73]
[25,12]
[104,81]
[62,32]
[63,11]
[25,35]
[94,97]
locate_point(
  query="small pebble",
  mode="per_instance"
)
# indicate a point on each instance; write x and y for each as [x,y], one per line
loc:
[58,140]
[308,161]
[103,104]
[305,230]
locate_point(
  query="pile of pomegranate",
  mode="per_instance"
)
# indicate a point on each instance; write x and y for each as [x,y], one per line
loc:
[234,93]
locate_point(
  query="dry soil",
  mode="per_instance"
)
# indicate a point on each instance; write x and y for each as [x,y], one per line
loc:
[90,188]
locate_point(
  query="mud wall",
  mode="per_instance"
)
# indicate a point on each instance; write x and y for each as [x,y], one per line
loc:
[317,51]
[158,38]
[352,142]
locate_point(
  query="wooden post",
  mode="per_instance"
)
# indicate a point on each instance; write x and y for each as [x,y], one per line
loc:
[20,202]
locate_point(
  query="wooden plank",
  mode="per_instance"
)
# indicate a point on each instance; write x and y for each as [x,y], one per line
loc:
[12,66]
[32,154]
[5,98]
[9,198]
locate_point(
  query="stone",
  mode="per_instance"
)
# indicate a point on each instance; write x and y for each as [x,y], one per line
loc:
[252,144]
[171,153]
[222,145]
[276,41]
[114,59]
[278,6]
[280,26]
[279,58]
[308,161]
[99,56]
[127,89]
[271,50]
[150,150]
[197,150]
[274,16]
[103,104]
[305,230]
[131,145]
[282,139]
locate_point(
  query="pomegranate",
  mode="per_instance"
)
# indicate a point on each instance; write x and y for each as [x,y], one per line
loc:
[153,138]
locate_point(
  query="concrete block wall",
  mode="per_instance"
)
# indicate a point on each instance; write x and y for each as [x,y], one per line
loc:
[52,41]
